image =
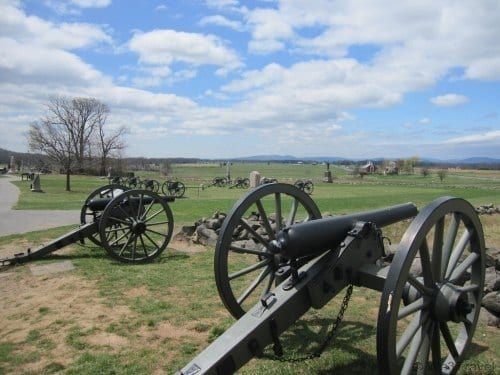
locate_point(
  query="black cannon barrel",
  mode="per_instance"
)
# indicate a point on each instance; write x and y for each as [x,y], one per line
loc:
[320,235]
[99,204]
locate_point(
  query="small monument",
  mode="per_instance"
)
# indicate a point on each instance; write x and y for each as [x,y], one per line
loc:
[327,177]
[12,165]
[254,179]
[35,185]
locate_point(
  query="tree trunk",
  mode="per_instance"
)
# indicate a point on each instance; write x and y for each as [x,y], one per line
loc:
[68,183]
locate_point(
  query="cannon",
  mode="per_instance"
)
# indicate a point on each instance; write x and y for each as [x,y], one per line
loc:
[133,226]
[173,188]
[219,181]
[306,185]
[296,260]
[240,183]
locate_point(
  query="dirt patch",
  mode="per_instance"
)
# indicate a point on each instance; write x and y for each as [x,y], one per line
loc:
[36,310]
[107,339]
[186,246]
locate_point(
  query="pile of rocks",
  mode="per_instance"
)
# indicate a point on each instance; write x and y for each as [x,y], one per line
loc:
[487,209]
[203,232]
[490,312]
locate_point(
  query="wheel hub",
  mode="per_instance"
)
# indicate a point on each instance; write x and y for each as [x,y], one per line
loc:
[452,303]
[138,227]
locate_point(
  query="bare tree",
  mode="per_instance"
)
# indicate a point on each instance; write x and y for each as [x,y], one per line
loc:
[108,144]
[65,132]
[53,140]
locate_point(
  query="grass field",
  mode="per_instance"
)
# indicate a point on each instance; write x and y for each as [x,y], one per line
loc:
[109,318]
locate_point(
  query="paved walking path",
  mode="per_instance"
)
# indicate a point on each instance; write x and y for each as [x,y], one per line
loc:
[22,221]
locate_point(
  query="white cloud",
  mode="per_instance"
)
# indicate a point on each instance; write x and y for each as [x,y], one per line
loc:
[449,100]
[168,46]
[486,138]
[424,121]
[219,20]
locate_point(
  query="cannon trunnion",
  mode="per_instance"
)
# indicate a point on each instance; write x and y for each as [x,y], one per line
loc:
[133,226]
[276,258]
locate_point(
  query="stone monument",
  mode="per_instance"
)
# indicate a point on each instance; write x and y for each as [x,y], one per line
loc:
[35,185]
[327,177]
[254,179]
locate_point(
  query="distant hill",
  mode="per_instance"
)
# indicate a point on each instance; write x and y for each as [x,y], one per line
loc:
[335,159]
[474,161]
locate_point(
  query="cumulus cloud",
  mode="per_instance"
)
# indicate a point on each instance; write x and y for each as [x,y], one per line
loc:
[449,100]
[168,46]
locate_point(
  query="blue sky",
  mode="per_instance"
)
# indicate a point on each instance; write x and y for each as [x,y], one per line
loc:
[229,78]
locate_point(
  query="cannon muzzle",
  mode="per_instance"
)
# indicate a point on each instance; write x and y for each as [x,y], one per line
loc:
[316,236]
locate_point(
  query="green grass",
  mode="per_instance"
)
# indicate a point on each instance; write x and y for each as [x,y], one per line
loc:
[179,291]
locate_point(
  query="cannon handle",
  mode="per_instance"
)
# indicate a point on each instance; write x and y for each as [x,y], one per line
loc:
[317,236]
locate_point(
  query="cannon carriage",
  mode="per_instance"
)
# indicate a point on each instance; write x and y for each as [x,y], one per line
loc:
[305,185]
[133,226]
[269,275]
[173,188]
[240,183]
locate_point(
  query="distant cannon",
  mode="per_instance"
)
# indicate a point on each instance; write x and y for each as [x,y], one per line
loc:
[173,188]
[240,183]
[268,278]
[133,226]
[219,182]
[305,185]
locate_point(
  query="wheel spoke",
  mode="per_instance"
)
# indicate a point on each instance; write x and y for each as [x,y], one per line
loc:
[119,220]
[158,233]
[458,252]
[437,248]
[448,339]
[151,240]
[146,211]
[265,219]
[242,250]
[413,307]
[423,355]
[279,223]
[249,269]
[462,267]
[254,285]
[424,290]
[257,236]
[436,348]
[159,223]
[415,346]
[409,332]
[124,247]
[426,264]
[450,240]
[293,212]
[120,238]
[146,219]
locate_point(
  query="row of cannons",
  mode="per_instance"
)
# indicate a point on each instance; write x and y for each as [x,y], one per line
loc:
[244,183]
[177,188]
[268,277]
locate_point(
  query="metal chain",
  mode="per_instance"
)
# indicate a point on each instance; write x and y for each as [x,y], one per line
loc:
[317,353]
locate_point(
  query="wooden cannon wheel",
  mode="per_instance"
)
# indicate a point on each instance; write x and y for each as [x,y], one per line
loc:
[136,226]
[244,265]
[432,294]
[87,215]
